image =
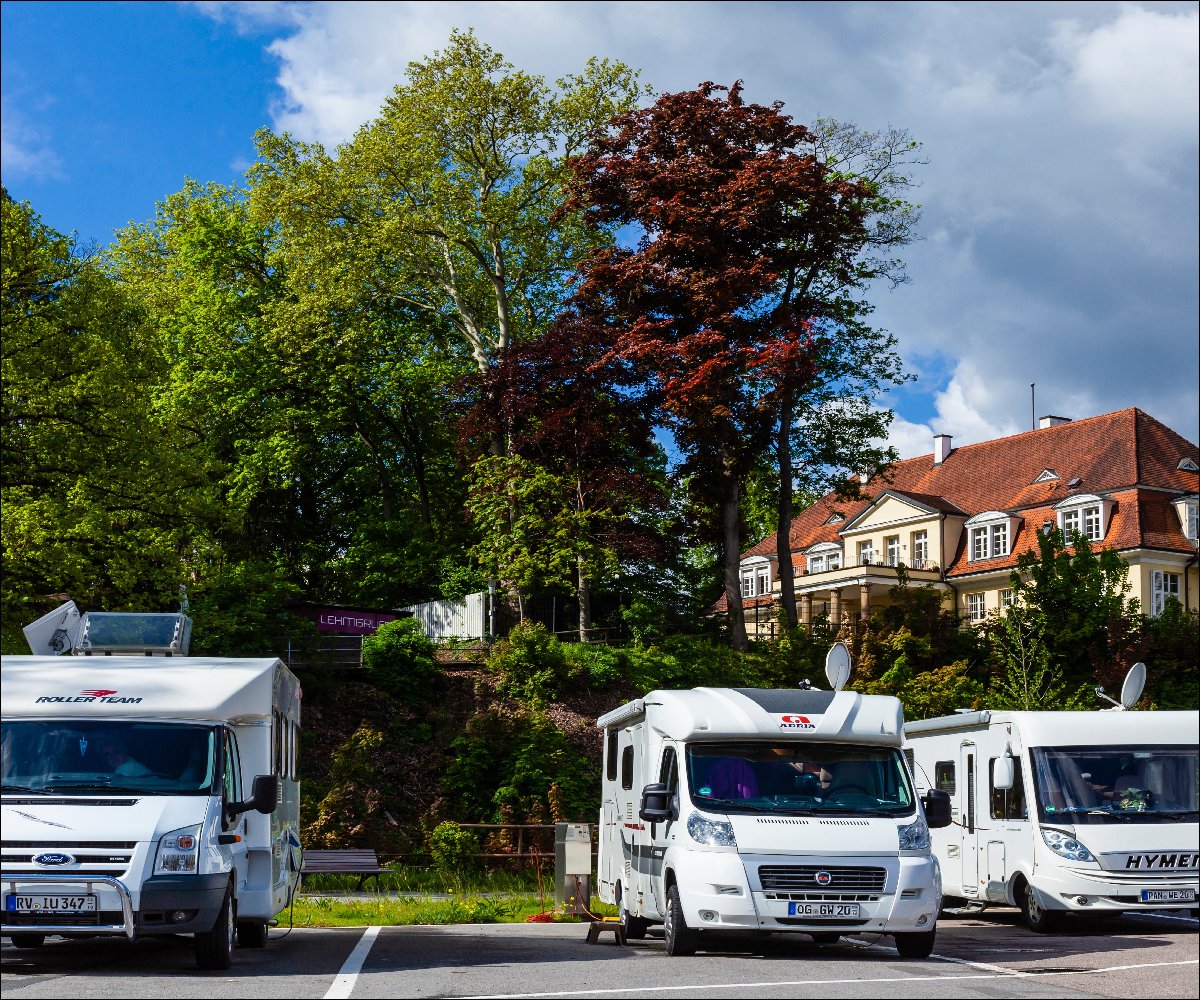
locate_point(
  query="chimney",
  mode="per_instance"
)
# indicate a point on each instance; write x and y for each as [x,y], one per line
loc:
[941,448]
[1052,421]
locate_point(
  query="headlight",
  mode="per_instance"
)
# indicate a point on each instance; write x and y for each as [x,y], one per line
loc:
[1066,846]
[714,832]
[915,836]
[178,852]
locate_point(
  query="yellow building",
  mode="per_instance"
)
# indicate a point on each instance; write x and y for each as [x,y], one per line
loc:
[959,518]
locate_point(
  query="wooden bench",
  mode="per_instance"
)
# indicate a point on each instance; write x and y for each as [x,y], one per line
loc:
[344,861]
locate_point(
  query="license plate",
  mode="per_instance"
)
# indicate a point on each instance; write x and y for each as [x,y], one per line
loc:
[50,904]
[1168,895]
[822,909]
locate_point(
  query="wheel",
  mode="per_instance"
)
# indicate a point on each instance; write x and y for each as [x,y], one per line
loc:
[27,940]
[252,934]
[1036,917]
[681,940]
[825,937]
[918,945]
[214,949]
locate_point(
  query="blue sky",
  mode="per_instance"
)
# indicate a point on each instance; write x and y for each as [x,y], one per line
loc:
[1060,198]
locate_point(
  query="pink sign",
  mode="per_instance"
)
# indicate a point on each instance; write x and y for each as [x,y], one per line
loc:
[351,622]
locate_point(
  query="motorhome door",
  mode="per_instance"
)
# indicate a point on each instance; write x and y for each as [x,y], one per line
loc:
[969,816]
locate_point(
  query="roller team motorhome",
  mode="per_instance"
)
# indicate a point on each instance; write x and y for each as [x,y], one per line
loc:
[125,778]
[1059,812]
[766,811]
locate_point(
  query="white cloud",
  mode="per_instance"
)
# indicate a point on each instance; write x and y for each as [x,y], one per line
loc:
[1060,201]
[25,150]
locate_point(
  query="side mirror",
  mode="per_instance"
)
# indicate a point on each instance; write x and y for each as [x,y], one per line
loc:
[264,798]
[937,808]
[656,806]
[1002,773]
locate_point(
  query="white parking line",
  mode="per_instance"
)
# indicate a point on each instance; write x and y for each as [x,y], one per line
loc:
[694,988]
[347,976]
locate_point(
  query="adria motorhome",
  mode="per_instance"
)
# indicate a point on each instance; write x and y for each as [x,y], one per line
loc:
[147,794]
[1060,812]
[766,811]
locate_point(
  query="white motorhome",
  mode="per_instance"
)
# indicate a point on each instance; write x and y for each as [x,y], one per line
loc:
[148,795]
[715,818]
[1058,812]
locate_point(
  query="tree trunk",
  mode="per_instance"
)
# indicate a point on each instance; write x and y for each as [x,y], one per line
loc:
[585,605]
[783,537]
[731,542]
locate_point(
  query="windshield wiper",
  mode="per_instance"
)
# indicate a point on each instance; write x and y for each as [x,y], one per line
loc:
[1182,815]
[22,788]
[82,787]
[1124,817]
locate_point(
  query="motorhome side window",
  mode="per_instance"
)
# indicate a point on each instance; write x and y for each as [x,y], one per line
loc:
[610,739]
[668,773]
[233,773]
[627,767]
[943,776]
[1008,803]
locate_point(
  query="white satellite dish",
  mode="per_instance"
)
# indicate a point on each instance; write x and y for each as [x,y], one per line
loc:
[837,665]
[55,633]
[1135,683]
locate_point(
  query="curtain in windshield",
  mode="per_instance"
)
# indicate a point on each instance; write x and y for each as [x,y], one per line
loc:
[84,756]
[1096,784]
[798,777]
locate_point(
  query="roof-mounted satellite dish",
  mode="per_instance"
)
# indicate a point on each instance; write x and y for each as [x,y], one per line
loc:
[1131,690]
[55,633]
[837,665]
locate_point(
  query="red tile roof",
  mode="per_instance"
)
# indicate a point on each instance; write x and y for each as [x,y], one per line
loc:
[1126,456]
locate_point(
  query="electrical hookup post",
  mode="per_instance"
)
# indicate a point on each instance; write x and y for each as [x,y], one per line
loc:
[573,866]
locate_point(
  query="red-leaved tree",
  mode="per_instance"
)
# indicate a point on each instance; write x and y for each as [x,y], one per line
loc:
[729,204]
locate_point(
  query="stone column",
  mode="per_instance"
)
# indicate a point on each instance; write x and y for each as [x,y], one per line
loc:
[864,600]
[806,610]
[835,607]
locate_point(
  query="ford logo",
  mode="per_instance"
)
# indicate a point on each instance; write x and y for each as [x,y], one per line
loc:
[53,860]
[823,878]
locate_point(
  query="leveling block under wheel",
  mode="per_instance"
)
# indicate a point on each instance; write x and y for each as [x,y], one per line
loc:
[613,924]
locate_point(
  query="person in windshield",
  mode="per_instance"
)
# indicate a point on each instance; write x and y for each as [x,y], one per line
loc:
[731,778]
[123,766]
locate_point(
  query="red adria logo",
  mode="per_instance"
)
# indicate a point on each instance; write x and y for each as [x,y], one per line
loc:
[796,722]
[98,694]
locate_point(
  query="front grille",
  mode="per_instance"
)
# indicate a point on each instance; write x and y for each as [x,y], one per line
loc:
[812,921]
[803,878]
[825,897]
[78,845]
[61,919]
[92,857]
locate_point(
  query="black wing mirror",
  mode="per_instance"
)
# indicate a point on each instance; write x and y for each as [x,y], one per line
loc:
[264,798]
[937,808]
[657,804]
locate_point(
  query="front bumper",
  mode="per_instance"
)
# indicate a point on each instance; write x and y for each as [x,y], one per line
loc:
[166,905]
[723,892]
[1082,891]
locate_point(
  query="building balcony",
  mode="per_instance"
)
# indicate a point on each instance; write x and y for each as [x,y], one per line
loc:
[876,573]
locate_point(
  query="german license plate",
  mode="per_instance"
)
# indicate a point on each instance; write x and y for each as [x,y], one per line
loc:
[1168,895]
[822,909]
[50,904]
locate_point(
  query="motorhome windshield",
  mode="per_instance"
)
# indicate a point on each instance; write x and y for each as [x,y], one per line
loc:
[799,778]
[67,756]
[1143,784]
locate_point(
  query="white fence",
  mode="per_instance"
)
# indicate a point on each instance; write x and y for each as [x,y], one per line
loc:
[462,619]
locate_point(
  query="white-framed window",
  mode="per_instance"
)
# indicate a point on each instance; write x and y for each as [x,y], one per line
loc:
[747,584]
[1162,586]
[1008,597]
[1193,521]
[764,579]
[1084,515]
[866,553]
[891,546]
[989,541]
[756,579]
[816,564]
[823,556]
[976,607]
[920,549]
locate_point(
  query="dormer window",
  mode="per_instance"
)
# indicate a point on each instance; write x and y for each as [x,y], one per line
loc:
[1188,465]
[1047,476]
[824,556]
[756,577]
[990,535]
[835,518]
[1085,515]
[1188,511]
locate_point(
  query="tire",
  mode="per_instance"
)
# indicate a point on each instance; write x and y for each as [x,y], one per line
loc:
[681,940]
[825,937]
[1037,918]
[252,934]
[214,949]
[27,940]
[918,945]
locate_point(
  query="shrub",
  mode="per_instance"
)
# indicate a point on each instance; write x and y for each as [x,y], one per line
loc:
[532,664]
[603,665]
[451,847]
[399,660]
